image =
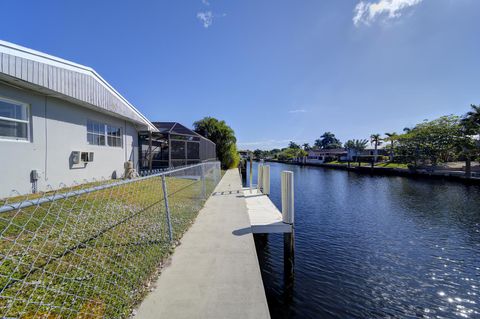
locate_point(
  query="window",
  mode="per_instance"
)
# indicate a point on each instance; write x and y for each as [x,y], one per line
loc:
[14,120]
[95,133]
[114,136]
[103,134]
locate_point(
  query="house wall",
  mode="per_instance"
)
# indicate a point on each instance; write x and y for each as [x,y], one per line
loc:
[57,128]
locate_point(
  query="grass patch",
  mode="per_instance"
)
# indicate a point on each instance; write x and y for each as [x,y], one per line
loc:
[90,256]
[393,165]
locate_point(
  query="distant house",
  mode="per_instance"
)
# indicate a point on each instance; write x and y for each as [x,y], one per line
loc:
[352,154]
[60,122]
[319,156]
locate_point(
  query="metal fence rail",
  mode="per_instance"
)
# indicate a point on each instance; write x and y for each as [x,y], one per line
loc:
[89,251]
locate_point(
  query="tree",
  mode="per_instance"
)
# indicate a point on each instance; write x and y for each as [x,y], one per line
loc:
[258,154]
[376,140]
[306,147]
[471,121]
[391,137]
[328,141]
[472,118]
[357,146]
[471,126]
[224,138]
[436,140]
[293,145]
[291,153]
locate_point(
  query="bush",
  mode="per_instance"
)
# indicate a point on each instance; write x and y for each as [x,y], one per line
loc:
[224,138]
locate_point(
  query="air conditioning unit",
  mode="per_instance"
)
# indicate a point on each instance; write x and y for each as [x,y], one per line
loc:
[76,157]
[87,156]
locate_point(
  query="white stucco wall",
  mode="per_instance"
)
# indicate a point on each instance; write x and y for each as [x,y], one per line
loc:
[58,128]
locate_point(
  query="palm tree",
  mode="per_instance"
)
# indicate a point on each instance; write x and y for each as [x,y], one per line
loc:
[471,125]
[471,120]
[349,145]
[391,137]
[306,146]
[376,140]
[357,146]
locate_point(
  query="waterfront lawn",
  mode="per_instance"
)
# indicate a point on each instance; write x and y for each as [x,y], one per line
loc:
[392,165]
[367,164]
[91,256]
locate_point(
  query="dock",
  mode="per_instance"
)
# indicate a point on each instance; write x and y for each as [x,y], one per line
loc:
[214,273]
[265,218]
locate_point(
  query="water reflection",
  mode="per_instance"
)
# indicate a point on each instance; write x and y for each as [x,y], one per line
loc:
[376,247]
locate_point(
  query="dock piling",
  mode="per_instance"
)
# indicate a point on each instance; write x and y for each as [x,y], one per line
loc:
[288,215]
[287,197]
[266,179]
[260,177]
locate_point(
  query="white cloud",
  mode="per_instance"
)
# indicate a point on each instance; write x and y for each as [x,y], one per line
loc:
[206,18]
[206,2]
[367,12]
[298,111]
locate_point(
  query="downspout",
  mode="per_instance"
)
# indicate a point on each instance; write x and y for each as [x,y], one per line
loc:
[46,140]
[125,143]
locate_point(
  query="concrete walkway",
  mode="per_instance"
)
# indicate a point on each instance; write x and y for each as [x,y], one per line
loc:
[214,272]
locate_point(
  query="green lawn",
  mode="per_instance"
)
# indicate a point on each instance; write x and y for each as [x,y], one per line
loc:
[393,165]
[367,164]
[91,256]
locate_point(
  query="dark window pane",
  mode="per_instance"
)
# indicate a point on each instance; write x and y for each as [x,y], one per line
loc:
[90,138]
[14,111]
[101,140]
[89,126]
[13,129]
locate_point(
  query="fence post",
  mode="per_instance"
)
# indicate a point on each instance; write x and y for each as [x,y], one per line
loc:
[204,186]
[167,208]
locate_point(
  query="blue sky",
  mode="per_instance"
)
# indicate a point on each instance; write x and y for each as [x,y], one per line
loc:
[273,70]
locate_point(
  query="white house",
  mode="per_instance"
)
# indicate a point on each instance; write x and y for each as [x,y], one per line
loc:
[320,156]
[60,122]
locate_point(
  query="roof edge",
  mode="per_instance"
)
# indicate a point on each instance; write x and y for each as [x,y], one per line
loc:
[34,55]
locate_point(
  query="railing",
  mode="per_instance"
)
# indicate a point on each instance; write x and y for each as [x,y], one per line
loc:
[91,250]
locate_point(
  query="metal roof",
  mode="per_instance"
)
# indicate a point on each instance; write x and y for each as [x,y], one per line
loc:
[66,80]
[175,128]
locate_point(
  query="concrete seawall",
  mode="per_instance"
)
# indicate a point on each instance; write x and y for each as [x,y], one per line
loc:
[214,273]
[446,175]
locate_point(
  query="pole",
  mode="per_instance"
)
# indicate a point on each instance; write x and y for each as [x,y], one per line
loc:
[266,179]
[288,216]
[167,208]
[260,176]
[288,211]
[150,159]
[251,172]
[204,186]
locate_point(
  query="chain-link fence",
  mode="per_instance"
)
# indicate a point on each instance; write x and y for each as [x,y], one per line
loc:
[91,250]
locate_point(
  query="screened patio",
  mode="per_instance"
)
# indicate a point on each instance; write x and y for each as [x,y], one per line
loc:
[172,146]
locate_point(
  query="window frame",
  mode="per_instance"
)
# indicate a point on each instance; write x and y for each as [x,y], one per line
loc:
[105,133]
[9,119]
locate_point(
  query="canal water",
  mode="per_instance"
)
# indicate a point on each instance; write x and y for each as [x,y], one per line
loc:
[375,247]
